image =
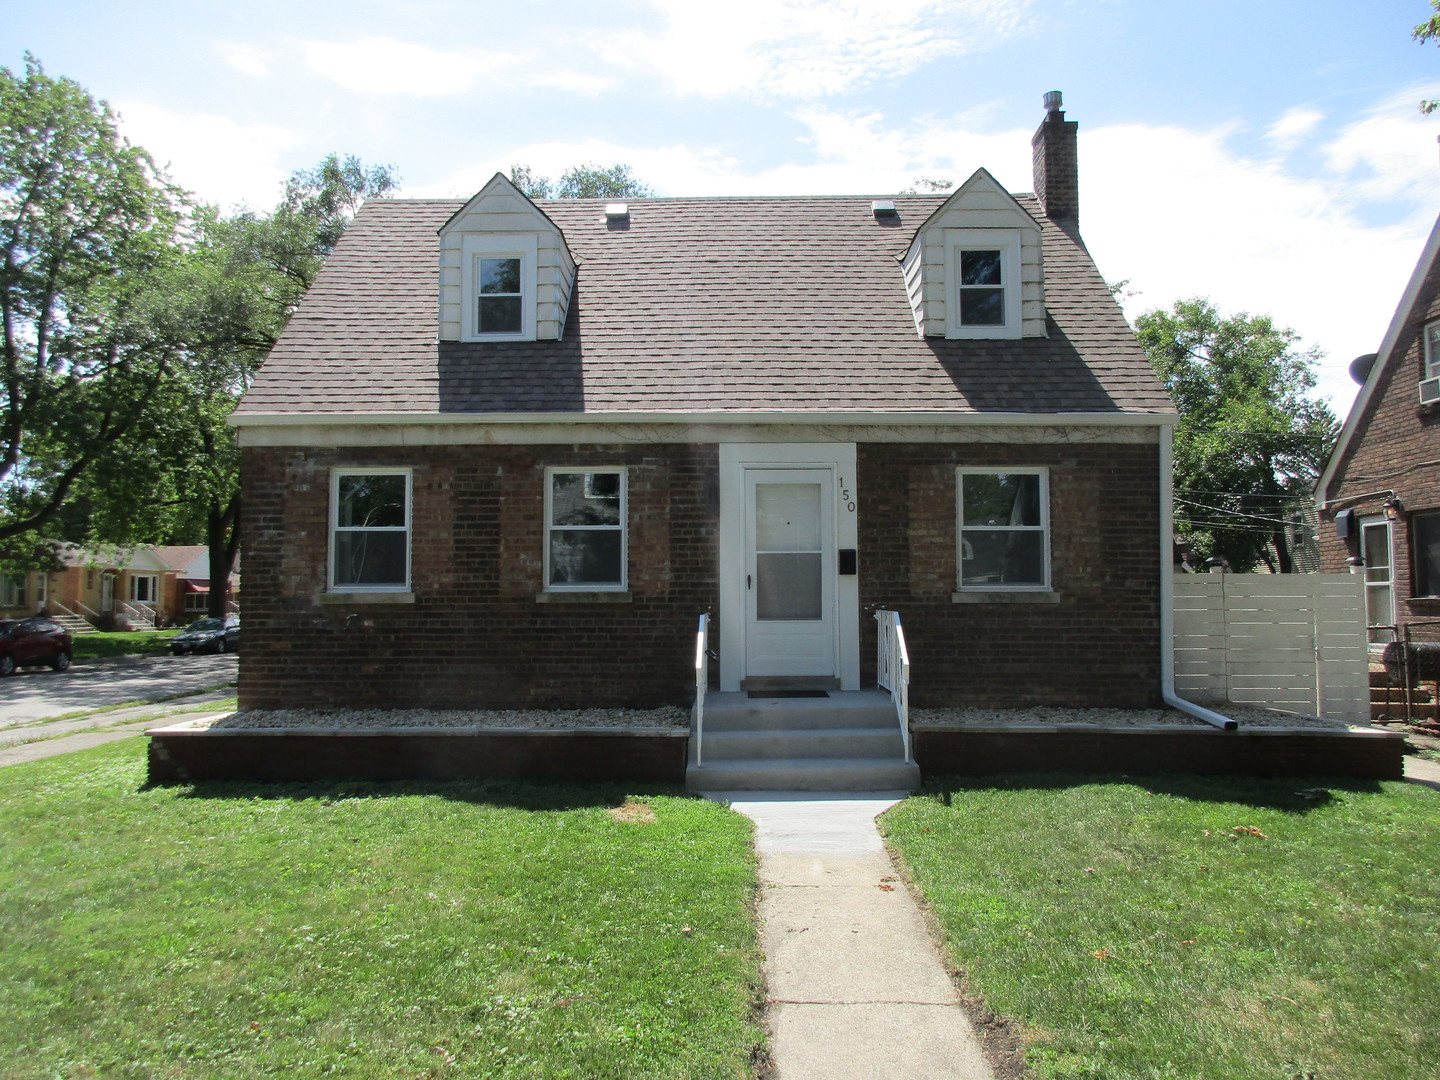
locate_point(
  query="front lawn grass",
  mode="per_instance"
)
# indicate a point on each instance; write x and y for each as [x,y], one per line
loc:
[1146,929]
[368,930]
[100,645]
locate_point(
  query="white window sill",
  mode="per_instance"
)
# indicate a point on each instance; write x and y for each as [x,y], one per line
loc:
[362,597]
[998,596]
[614,596]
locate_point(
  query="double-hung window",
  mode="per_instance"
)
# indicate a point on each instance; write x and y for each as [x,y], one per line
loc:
[499,283]
[983,268]
[12,590]
[585,530]
[370,530]
[144,588]
[1003,529]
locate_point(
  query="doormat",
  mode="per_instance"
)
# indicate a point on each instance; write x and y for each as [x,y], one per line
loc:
[787,693]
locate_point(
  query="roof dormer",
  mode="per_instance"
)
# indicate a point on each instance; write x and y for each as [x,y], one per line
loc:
[974,268]
[506,273]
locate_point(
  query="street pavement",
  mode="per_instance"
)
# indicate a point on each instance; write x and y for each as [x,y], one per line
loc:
[33,694]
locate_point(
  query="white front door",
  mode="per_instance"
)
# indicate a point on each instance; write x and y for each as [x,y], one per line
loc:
[107,593]
[790,572]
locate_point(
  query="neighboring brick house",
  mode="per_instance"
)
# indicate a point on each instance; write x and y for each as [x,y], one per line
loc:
[1379,494]
[617,417]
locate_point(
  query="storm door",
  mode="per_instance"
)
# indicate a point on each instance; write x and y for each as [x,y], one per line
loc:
[790,572]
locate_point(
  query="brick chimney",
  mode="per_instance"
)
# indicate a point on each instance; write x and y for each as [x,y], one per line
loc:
[1054,162]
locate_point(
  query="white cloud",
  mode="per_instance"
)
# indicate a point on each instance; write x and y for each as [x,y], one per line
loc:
[1179,214]
[1390,152]
[1294,126]
[246,59]
[380,65]
[222,161]
[807,48]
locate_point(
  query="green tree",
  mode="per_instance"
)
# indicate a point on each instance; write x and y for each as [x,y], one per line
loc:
[581,182]
[86,223]
[1250,439]
[227,302]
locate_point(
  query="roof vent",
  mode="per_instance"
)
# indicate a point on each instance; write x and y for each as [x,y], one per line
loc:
[617,211]
[884,209]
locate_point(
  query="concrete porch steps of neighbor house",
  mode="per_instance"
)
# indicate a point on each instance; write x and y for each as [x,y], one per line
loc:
[838,741]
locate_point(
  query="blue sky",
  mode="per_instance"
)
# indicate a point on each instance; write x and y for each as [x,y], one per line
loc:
[1267,154]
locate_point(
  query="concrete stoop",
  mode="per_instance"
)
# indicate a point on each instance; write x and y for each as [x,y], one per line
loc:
[846,741]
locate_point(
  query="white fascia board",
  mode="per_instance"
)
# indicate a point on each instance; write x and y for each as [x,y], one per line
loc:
[717,416]
[1382,361]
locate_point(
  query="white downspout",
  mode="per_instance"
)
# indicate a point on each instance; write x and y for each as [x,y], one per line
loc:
[1167,590]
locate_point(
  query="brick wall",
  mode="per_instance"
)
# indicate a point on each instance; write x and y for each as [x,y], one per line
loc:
[1098,646]
[1395,439]
[475,635]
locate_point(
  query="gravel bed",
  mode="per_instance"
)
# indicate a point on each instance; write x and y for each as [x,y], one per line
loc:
[669,717]
[1248,716]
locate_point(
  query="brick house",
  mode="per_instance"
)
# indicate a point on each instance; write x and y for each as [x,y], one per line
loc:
[506,452]
[1379,494]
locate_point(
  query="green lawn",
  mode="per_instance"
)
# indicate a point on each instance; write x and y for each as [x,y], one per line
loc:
[123,643]
[1140,928]
[368,930]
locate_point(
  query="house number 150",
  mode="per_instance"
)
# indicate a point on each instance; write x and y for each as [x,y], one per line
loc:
[845,496]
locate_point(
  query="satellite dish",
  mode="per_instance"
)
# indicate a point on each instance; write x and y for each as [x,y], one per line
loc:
[1360,367]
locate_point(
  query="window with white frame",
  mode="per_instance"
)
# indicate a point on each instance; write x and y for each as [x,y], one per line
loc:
[12,590]
[498,281]
[983,268]
[585,530]
[1432,350]
[370,530]
[1003,529]
[144,588]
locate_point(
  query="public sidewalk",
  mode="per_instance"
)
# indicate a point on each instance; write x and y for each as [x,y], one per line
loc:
[856,988]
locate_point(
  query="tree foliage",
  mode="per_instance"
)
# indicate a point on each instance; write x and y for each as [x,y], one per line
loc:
[1250,440]
[86,225]
[581,182]
[227,301]
[1429,30]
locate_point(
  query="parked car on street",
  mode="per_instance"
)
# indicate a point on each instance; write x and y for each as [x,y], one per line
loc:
[33,643]
[208,636]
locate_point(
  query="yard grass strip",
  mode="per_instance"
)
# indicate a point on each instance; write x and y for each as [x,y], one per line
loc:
[363,930]
[1196,927]
[102,644]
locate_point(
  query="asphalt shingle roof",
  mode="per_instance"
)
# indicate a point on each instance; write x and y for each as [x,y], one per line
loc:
[728,304]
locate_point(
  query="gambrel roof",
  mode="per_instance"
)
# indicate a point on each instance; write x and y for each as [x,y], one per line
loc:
[698,305]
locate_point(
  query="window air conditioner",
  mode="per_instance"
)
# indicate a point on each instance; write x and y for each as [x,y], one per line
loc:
[1430,391]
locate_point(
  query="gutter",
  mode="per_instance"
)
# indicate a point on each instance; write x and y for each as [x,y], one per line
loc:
[1167,593]
[712,416]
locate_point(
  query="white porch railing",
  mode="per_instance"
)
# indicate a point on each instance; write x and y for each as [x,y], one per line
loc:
[79,622]
[892,670]
[702,683]
[139,612]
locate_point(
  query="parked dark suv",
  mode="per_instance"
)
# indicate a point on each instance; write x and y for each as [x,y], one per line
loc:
[32,643]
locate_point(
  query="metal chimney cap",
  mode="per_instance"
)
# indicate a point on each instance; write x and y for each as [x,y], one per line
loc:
[1053,100]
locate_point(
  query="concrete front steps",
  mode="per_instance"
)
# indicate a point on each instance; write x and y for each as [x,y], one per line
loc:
[845,741]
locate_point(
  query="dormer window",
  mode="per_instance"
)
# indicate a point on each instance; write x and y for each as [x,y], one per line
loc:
[499,279]
[500,296]
[984,267]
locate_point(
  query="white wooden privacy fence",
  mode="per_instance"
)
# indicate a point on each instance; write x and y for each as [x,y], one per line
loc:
[1286,641]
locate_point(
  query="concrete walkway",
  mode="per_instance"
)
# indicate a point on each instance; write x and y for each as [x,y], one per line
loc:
[856,988]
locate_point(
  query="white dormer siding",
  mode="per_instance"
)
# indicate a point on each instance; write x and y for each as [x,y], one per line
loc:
[498,225]
[1008,292]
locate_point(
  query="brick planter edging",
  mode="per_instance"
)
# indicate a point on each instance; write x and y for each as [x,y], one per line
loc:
[1368,754]
[181,756]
